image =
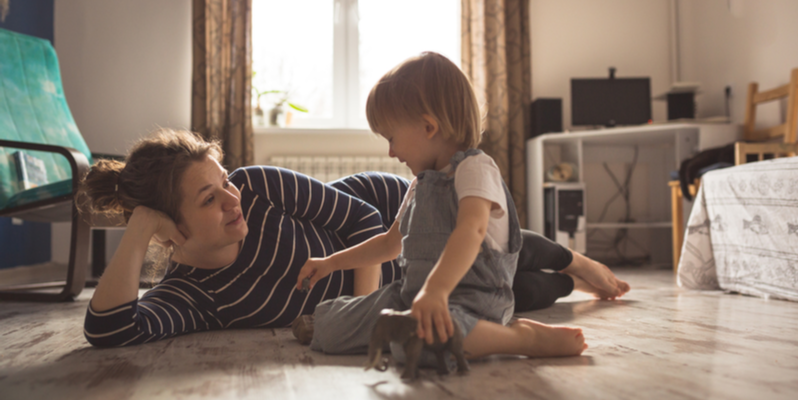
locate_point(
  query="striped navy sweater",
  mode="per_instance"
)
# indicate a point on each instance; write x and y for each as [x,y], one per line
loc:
[291,217]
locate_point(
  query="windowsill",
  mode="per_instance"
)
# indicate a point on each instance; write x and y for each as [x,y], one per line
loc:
[273,141]
[263,130]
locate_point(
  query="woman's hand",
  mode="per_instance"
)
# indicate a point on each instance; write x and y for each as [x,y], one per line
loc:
[430,308]
[120,281]
[158,225]
[315,269]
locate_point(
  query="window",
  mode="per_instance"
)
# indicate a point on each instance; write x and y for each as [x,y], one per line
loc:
[325,55]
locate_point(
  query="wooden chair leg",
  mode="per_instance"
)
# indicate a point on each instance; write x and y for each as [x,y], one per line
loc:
[677,226]
[76,270]
[98,253]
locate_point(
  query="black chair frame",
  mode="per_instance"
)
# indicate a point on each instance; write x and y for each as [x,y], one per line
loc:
[57,209]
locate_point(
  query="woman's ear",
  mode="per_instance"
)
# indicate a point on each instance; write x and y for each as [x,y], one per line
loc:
[183,229]
[431,126]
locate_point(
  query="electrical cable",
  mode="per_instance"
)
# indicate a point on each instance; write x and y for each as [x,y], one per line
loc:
[619,242]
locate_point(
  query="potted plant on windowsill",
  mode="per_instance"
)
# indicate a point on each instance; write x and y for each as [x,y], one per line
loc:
[278,117]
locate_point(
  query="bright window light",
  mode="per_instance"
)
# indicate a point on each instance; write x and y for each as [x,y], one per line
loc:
[392,31]
[325,55]
[293,53]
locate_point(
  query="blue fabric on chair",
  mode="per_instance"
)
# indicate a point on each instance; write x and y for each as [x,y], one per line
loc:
[48,191]
[35,120]
[33,109]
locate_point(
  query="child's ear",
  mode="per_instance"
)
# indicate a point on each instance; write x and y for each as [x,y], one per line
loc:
[431,126]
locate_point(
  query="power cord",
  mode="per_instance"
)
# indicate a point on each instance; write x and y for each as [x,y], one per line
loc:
[619,242]
[728,102]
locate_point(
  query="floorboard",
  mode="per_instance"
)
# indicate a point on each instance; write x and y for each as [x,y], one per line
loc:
[660,342]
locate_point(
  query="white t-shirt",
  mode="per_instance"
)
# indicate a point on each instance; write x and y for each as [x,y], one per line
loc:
[478,176]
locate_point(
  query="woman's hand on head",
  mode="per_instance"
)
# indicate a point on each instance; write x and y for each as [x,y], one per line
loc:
[158,225]
[314,269]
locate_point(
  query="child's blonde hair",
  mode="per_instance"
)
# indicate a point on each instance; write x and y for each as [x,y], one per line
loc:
[427,84]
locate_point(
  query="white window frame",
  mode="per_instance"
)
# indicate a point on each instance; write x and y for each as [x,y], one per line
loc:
[347,113]
[351,63]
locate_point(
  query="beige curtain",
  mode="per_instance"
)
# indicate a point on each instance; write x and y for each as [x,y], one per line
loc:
[495,55]
[221,55]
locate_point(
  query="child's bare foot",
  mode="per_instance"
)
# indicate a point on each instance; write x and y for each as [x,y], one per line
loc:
[583,286]
[549,341]
[597,275]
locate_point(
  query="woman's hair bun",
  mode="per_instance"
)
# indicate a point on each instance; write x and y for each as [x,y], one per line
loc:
[99,191]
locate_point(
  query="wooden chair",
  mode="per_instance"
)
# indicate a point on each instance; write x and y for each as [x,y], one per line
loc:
[762,144]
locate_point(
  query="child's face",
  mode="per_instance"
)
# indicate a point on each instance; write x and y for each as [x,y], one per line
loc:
[412,144]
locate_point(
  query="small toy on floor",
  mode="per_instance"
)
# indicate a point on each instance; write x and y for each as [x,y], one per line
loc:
[303,328]
[401,327]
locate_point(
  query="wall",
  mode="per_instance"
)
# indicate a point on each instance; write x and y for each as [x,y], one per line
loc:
[31,17]
[582,38]
[735,42]
[126,68]
[719,43]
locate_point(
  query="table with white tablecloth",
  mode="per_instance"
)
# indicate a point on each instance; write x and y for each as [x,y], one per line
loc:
[742,231]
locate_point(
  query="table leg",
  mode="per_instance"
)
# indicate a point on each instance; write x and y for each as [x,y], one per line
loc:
[677,226]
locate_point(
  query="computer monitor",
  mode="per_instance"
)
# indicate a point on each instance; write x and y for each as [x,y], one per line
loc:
[610,102]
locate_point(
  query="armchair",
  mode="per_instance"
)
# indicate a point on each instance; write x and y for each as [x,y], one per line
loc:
[35,119]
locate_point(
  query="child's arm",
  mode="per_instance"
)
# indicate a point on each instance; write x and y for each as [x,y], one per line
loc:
[376,250]
[430,307]
[366,280]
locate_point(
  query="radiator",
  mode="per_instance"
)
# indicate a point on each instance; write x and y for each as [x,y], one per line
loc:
[331,168]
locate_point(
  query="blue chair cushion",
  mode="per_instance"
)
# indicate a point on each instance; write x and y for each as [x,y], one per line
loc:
[33,109]
[48,191]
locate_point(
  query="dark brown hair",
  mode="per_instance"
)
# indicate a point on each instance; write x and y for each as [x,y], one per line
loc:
[150,175]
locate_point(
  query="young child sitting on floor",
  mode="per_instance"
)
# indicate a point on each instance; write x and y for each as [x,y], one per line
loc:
[456,236]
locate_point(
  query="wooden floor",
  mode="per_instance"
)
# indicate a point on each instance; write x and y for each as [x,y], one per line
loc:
[660,342]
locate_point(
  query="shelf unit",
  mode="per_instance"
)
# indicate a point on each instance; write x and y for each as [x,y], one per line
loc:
[599,154]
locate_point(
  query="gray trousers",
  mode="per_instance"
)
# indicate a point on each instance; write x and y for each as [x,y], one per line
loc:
[344,325]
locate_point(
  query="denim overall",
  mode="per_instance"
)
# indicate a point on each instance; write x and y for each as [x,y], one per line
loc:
[344,325]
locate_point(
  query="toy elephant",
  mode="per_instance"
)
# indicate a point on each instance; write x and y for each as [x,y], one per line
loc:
[401,327]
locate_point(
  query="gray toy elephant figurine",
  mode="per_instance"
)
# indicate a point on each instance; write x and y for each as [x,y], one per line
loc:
[401,327]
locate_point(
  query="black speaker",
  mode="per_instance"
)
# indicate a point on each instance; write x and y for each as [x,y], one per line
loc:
[545,117]
[680,105]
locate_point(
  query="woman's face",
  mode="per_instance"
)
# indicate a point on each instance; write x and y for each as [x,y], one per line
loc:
[210,212]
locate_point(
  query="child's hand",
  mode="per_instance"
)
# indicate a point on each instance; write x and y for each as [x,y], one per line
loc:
[430,309]
[314,269]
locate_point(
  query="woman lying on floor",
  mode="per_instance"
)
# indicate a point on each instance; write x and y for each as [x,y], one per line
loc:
[237,242]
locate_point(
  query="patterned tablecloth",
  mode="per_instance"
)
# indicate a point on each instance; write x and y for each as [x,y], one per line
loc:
[742,232]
